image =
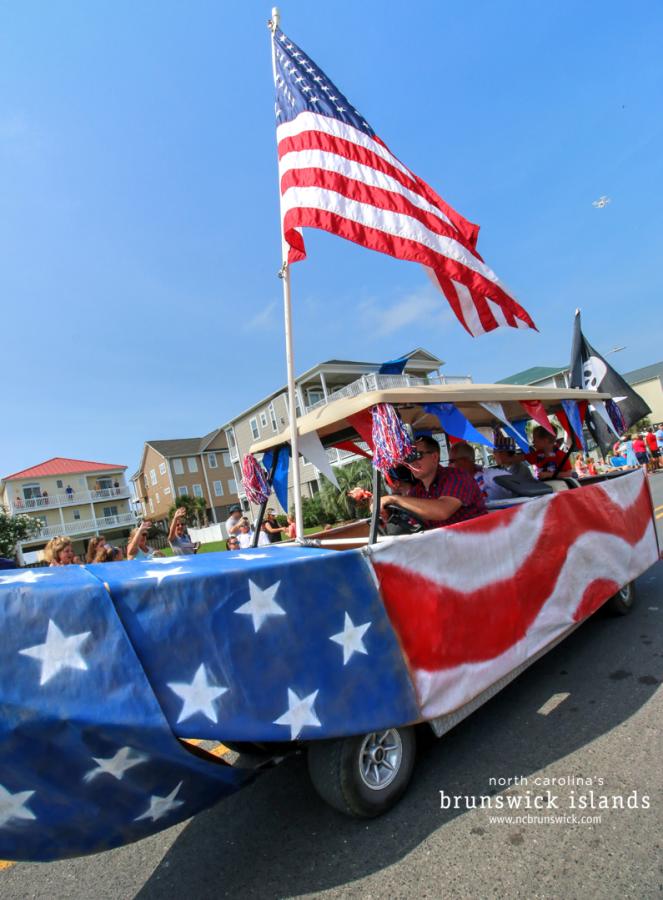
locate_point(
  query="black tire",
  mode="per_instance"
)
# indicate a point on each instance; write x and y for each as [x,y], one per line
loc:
[342,769]
[623,601]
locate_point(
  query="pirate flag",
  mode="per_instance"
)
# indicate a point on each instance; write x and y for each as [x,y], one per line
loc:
[607,420]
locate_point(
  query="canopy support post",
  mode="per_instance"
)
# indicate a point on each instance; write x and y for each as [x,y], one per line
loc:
[375,513]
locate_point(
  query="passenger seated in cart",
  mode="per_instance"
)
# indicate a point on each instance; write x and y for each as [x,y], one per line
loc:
[548,460]
[508,462]
[439,496]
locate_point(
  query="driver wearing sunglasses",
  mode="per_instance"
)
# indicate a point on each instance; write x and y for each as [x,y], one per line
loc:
[439,496]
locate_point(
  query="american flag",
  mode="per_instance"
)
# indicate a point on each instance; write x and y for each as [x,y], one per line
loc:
[104,667]
[337,175]
[475,625]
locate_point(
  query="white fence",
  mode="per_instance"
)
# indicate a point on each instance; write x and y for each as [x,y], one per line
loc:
[208,535]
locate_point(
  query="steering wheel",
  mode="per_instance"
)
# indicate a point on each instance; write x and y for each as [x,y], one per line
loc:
[400,521]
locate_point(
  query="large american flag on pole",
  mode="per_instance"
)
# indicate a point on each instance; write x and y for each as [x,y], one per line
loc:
[337,175]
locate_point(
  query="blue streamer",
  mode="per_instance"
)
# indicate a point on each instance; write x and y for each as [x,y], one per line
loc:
[455,423]
[517,431]
[573,415]
[280,480]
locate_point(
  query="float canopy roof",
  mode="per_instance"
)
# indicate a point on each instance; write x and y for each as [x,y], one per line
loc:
[331,421]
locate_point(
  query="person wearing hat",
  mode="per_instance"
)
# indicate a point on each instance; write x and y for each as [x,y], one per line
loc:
[233,521]
[508,462]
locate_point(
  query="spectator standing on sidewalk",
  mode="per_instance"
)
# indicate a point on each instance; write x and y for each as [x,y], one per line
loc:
[652,445]
[178,537]
[233,521]
[640,450]
[96,544]
[60,552]
[272,528]
[137,547]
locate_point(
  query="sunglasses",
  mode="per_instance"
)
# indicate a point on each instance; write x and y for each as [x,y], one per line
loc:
[419,454]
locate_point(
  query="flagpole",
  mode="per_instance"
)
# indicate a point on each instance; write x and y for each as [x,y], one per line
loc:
[284,274]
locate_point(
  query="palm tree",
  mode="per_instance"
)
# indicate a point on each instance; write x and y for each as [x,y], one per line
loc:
[336,503]
[196,509]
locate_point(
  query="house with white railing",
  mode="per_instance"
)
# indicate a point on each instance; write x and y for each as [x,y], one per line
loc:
[73,497]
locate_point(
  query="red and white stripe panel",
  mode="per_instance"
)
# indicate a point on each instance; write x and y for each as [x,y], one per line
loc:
[337,178]
[473,601]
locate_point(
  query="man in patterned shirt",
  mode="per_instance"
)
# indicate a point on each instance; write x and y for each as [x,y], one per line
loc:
[440,496]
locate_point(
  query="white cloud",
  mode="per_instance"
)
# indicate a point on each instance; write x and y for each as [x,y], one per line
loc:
[424,307]
[262,320]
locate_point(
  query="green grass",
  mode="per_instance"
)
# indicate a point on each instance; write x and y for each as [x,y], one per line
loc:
[205,548]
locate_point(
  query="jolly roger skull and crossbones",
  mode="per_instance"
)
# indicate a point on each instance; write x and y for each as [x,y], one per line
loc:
[593,373]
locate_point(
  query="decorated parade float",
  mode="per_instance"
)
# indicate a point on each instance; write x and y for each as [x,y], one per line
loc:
[335,645]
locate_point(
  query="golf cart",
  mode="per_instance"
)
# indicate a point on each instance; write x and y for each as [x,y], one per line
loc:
[121,671]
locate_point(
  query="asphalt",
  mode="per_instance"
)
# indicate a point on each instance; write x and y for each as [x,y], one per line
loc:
[601,689]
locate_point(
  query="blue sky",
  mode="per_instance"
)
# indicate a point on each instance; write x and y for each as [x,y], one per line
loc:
[139,235]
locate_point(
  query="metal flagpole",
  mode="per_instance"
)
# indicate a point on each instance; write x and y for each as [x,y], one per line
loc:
[284,274]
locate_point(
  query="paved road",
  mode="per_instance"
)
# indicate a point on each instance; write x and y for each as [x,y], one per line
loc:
[602,692]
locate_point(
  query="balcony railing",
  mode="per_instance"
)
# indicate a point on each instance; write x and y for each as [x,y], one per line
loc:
[82,526]
[20,504]
[376,382]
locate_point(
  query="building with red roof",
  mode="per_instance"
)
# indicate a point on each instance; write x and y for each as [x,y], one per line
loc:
[77,498]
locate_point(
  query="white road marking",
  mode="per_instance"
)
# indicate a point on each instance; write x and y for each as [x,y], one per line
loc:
[552,704]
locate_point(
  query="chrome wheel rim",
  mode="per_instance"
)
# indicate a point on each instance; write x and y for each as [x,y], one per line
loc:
[380,758]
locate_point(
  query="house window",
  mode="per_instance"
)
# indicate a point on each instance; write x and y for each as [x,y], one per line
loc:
[77,514]
[192,463]
[263,419]
[59,484]
[162,468]
[178,467]
[183,491]
[30,491]
[218,489]
[105,484]
[230,437]
[255,431]
[226,458]
[197,490]
[211,460]
[153,476]
[110,511]
[151,505]
[166,491]
[232,486]
[272,417]
[158,498]
[315,395]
